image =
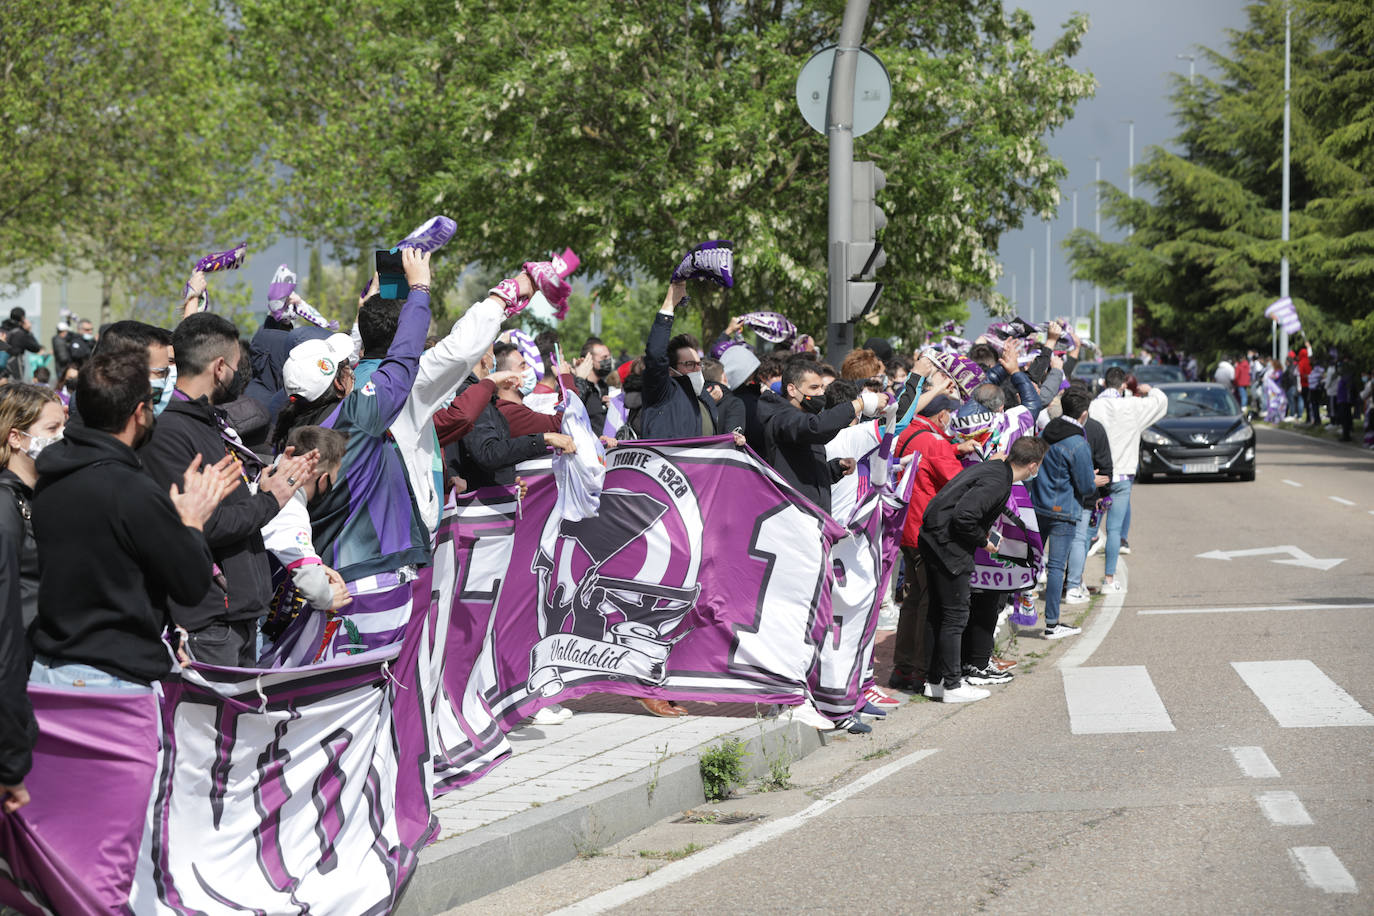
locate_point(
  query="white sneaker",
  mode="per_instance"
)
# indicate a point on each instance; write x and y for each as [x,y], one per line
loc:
[563,712]
[965,693]
[1112,586]
[887,614]
[1042,577]
[1060,630]
[1097,546]
[547,716]
[1125,548]
[934,691]
[1077,595]
[808,714]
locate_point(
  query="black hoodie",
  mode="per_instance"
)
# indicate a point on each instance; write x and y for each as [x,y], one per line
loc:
[112,552]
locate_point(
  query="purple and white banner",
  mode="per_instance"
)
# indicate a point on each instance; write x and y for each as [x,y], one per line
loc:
[307,789]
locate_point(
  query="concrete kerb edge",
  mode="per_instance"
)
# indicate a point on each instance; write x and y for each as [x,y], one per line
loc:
[494,856]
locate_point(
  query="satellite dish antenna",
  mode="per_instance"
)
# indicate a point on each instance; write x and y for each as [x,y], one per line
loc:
[872,90]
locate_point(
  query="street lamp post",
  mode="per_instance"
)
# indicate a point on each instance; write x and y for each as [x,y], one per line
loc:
[839,121]
[1192,65]
[1049,307]
[1130,193]
[1032,286]
[1073,277]
[1287,126]
[1097,230]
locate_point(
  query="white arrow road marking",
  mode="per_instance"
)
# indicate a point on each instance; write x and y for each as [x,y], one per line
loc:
[1343,502]
[1321,869]
[1299,695]
[1292,483]
[1298,556]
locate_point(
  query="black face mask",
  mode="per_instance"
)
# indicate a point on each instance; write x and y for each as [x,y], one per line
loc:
[321,493]
[69,384]
[146,432]
[234,390]
[605,367]
[813,403]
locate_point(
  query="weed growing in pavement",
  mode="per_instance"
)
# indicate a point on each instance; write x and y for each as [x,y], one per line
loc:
[702,817]
[653,777]
[671,855]
[722,768]
[587,851]
[874,755]
[779,774]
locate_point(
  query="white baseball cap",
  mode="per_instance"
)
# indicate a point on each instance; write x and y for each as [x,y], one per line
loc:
[313,364]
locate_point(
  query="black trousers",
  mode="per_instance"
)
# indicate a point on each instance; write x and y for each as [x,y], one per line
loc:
[982,621]
[908,646]
[231,645]
[945,623]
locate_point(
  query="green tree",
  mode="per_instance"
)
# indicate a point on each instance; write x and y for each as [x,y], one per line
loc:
[633,130]
[1203,254]
[128,147]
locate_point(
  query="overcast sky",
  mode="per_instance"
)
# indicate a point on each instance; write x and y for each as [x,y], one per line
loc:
[1132,49]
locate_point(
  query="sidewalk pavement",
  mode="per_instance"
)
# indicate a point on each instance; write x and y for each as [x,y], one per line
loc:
[607,773]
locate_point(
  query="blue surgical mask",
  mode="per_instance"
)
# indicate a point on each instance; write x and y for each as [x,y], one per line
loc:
[528,381]
[164,389]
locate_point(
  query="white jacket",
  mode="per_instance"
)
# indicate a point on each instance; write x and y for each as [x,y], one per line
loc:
[443,367]
[1125,418]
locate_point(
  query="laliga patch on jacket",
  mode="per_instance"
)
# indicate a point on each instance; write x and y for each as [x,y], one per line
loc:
[369,390]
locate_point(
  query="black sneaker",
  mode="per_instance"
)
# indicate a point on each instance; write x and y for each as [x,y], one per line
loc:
[981,677]
[907,683]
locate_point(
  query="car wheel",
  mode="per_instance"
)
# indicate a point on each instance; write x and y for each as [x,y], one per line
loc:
[1144,478]
[1246,475]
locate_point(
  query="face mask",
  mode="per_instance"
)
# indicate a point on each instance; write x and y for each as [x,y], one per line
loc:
[164,389]
[527,381]
[605,367]
[88,337]
[69,384]
[38,443]
[146,433]
[1033,476]
[698,381]
[322,488]
[813,403]
[231,390]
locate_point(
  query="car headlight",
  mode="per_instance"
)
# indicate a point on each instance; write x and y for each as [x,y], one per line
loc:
[1150,437]
[1242,434]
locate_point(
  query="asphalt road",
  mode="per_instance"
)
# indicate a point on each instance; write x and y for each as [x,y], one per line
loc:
[1202,758]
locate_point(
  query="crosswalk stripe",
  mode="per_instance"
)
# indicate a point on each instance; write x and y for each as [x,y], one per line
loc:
[1299,695]
[1113,700]
[1321,869]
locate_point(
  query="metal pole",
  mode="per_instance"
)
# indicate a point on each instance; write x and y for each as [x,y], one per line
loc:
[1192,65]
[1097,230]
[1032,287]
[839,126]
[1073,277]
[1287,89]
[1130,192]
[1013,292]
[1049,307]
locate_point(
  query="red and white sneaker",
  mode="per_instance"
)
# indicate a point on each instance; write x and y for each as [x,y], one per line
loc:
[880,699]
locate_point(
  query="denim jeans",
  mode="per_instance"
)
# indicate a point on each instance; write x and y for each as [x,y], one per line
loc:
[1243,394]
[1078,551]
[1116,520]
[1059,536]
[1126,524]
[53,672]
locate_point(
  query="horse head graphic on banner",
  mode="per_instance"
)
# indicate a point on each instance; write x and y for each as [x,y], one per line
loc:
[615,588]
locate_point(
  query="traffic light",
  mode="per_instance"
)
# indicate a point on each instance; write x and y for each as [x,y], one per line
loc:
[866,253]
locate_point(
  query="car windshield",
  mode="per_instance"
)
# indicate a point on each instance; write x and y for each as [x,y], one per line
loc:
[1154,374]
[1201,401]
[1086,370]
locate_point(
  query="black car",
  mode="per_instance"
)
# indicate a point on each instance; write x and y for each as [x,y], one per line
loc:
[1157,373]
[1204,432]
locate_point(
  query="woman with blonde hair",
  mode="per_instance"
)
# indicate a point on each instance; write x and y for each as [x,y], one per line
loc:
[31,419]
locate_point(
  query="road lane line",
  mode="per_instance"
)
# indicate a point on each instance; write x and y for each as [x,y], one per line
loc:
[1343,502]
[1298,695]
[1284,809]
[1320,869]
[1113,700]
[1254,762]
[1291,483]
[735,845]
[1088,641]
[1252,607]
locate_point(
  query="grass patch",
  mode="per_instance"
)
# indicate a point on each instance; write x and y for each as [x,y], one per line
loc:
[671,855]
[874,755]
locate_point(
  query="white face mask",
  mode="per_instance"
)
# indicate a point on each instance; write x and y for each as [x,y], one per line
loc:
[527,381]
[164,388]
[698,381]
[37,444]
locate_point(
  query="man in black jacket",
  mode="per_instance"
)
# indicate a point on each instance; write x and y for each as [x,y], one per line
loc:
[507,432]
[1096,433]
[222,620]
[956,523]
[673,405]
[114,549]
[796,430]
[19,340]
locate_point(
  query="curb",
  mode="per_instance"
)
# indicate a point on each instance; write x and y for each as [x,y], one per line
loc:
[497,855]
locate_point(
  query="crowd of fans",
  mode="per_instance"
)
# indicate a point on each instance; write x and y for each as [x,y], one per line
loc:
[239,499]
[1299,388]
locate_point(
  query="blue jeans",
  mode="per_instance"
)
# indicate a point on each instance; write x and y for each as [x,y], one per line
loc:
[1243,393]
[1058,535]
[1126,524]
[54,673]
[1116,521]
[1078,551]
